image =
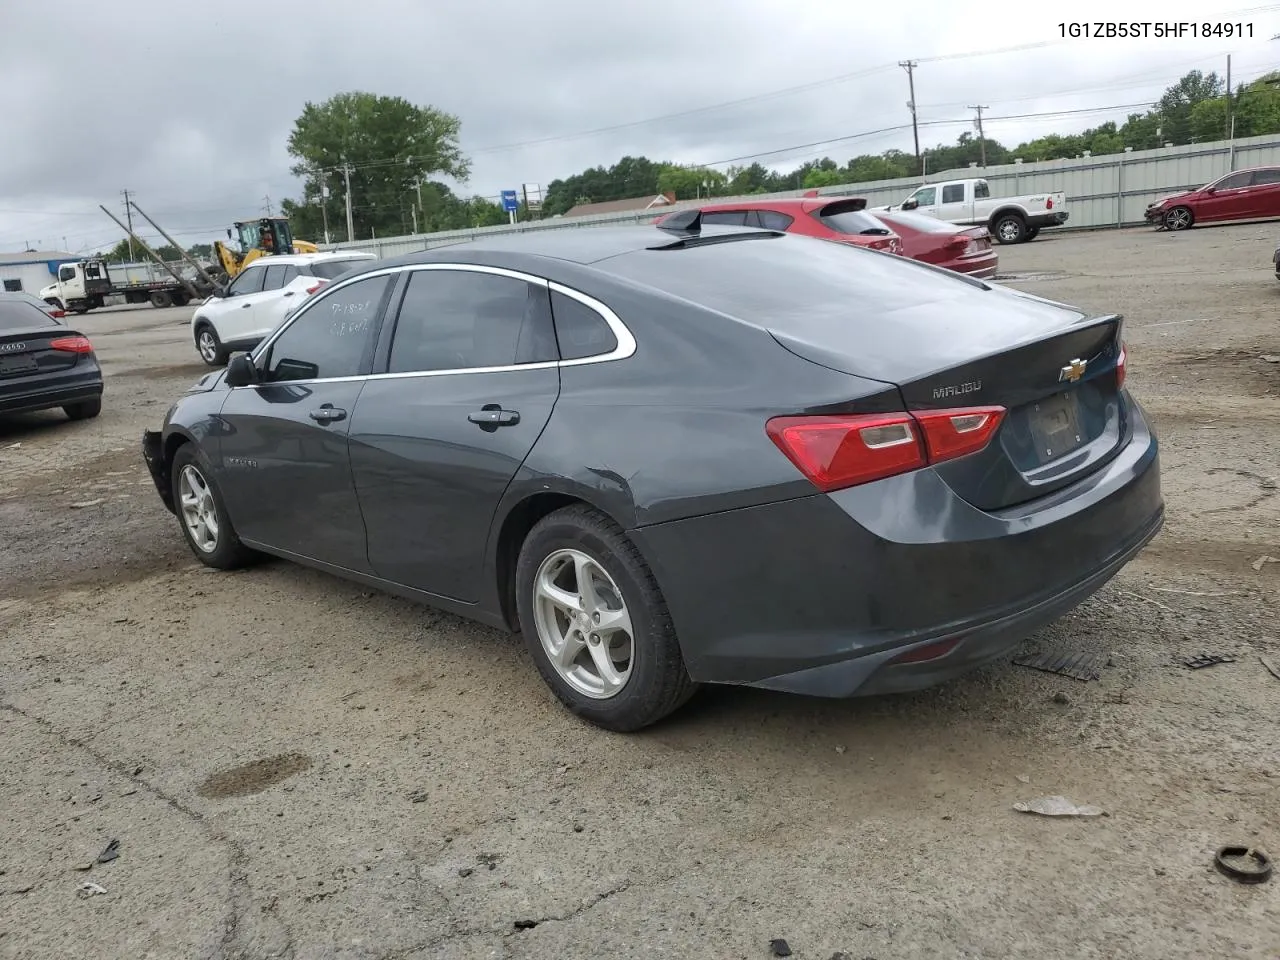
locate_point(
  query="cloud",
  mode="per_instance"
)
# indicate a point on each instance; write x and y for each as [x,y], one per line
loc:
[189,105]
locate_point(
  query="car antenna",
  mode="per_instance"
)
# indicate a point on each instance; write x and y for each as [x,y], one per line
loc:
[682,221]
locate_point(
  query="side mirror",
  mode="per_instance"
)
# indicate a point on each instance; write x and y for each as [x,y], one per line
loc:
[241,372]
[910,204]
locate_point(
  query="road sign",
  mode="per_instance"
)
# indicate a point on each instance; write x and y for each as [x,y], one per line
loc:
[510,201]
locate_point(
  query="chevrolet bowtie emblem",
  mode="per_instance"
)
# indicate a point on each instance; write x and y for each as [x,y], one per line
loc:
[1073,371]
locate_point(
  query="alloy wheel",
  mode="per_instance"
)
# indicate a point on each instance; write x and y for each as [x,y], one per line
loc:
[199,513]
[583,624]
[207,346]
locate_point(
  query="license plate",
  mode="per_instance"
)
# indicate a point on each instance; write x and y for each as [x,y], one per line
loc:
[10,366]
[1055,426]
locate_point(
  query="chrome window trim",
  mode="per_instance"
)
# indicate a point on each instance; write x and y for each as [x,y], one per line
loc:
[625,348]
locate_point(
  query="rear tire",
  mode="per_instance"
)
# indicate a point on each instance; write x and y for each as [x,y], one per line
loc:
[1009,228]
[209,346]
[161,299]
[1179,218]
[643,654]
[84,410]
[202,514]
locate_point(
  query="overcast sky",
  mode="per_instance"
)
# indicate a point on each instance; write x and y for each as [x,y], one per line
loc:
[189,106]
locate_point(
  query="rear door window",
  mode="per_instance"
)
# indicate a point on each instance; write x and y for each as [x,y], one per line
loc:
[772,220]
[953,193]
[465,320]
[275,277]
[1266,178]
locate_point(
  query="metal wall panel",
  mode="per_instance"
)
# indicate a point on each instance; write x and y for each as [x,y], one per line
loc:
[1104,191]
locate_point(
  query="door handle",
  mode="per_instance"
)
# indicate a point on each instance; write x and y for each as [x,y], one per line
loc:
[494,416]
[327,414]
[245,306]
[288,293]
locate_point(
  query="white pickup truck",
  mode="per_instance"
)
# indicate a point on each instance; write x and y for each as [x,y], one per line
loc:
[969,202]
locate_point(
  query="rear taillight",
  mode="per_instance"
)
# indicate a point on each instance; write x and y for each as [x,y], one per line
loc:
[1048,204]
[71,345]
[319,284]
[58,314]
[1122,366]
[844,451]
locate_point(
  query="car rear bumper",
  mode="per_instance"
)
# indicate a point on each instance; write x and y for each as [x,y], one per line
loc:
[818,595]
[980,267]
[45,393]
[1055,218]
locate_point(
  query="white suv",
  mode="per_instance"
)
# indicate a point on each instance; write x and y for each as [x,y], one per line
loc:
[260,297]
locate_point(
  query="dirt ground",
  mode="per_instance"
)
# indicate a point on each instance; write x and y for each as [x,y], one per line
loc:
[297,767]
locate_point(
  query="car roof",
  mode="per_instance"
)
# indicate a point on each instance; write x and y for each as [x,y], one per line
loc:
[580,245]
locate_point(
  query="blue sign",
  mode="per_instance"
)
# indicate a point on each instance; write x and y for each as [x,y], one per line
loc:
[510,201]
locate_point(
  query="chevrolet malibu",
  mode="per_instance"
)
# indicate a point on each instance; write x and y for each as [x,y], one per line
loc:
[682,455]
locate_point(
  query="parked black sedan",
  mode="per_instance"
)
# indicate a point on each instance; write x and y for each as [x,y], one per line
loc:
[45,364]
[682,455]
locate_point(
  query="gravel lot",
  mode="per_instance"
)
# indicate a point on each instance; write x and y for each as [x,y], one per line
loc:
[297,767]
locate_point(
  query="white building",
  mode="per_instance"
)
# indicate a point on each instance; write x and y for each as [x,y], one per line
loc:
[31,270]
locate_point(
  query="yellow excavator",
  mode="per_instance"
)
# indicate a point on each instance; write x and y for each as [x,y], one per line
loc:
[258,238]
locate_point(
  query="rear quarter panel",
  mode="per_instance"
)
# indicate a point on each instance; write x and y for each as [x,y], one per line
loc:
[678,428]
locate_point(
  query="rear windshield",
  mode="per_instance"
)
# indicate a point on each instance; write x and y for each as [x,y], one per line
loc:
[332,269]
[789,281]
[18,314]
[923,223]
[856,223]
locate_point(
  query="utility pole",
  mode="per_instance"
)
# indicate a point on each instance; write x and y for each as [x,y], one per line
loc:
[982,139]
[267,200]
[1228,127]
[128,213]
[910,66]
[351,229]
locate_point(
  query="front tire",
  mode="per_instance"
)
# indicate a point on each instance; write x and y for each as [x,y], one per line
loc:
[84,410]
[210,347]
[596,624]
[1009,228]
[202,513]
[1179,218]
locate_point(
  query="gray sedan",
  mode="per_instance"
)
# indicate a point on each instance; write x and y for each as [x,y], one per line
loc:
[682,455]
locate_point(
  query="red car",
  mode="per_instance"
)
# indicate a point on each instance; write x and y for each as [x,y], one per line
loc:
[843,219]
[963,249]
[1243,195]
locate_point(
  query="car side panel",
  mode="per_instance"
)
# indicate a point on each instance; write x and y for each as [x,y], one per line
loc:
[664,434]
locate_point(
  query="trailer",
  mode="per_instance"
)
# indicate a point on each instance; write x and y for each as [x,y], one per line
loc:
[86,284]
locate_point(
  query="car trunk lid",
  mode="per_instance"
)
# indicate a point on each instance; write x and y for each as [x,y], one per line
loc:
[1053,369]
[27,351]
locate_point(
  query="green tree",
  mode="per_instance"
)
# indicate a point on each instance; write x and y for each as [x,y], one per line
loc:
[1174,108]
[391,145]
[690,182]
[199,250]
